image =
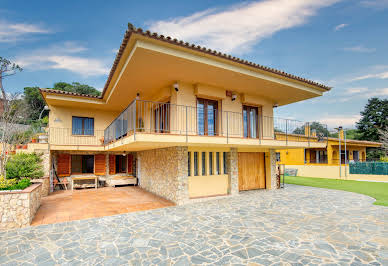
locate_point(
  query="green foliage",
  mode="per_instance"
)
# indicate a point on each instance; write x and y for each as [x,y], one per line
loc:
[350,134]
[377,190]
[35,102]
[318,127]
[13,184]
[374,154]
[23,165]
[77,88]
[373,117]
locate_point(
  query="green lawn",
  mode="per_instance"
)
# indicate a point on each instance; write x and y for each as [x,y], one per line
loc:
[377,190]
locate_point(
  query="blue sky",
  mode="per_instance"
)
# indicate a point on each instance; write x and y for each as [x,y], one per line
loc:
[339,43]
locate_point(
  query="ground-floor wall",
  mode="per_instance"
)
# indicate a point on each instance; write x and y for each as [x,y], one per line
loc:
[185,174]
[332,171]
[164,172]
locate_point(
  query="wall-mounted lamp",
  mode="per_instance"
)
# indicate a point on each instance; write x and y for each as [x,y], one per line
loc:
[234,97]
[275,105]
[176,86]
[137,96]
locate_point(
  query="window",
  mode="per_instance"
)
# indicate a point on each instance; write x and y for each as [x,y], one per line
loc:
[225,165]
[189,164]
[203,163]
[121,164]
[210,163]
[207,117]
[250,121]
[218,163]
[278,156]
[83,126]
[82,164]
[196,163]
[162,118]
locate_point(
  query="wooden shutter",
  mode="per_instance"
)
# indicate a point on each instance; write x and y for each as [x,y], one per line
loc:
[130,164]
[99,164]
[112,164]
[63,164]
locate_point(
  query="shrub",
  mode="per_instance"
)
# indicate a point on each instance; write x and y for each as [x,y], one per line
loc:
[22,165]
[12,184]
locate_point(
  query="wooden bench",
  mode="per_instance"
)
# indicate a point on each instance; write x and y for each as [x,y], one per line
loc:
[95,178]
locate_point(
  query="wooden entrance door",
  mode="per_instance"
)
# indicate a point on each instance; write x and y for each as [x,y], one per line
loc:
[251,170]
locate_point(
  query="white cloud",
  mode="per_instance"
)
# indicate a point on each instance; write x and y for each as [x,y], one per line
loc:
[66,57]
[356,90]
[360,49]
[238,28]
[12,32]
[375,3]
[382,75]
[347,121]
[340,26]
[378,93]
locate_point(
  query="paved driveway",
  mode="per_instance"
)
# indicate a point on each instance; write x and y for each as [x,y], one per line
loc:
[295,225]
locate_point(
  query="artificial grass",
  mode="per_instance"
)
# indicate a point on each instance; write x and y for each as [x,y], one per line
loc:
[377,190]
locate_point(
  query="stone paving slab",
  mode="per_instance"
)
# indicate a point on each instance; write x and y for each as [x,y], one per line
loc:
[294,226]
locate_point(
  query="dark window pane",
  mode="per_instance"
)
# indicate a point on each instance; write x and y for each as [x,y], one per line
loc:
[218,163]
[225,166]
[203,163]
[189,164]
[82,126]
[210,163]
[196,163]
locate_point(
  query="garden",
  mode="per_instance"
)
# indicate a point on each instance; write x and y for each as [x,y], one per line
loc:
[20,169]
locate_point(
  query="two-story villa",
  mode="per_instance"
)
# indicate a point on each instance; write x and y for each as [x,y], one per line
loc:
[186,121]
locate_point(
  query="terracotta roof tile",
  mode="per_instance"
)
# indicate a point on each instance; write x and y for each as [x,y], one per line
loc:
[70,93]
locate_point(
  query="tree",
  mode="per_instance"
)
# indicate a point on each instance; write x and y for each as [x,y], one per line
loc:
[318,127]
[35,102]
[374,117]
[384,139]
[7,68]
[350,134]
[77,88]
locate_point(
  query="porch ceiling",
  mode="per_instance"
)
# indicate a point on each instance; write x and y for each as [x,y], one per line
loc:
[151,67]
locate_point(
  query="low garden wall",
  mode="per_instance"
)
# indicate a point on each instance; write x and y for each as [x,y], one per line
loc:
[17,208]
[45,184]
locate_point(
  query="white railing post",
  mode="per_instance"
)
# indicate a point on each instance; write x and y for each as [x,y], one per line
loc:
[134,120]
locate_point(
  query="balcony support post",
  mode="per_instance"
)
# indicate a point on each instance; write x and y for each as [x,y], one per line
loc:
[134,120]
[186,125]
[286,132]
[227,127]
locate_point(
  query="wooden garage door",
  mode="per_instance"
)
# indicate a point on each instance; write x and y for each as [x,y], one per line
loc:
[251,170]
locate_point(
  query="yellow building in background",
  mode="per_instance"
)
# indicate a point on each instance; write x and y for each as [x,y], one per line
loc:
[323,162]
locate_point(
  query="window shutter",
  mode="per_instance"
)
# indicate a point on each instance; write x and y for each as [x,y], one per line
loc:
[99,164]
[63,164]
[112,164]
[130,164]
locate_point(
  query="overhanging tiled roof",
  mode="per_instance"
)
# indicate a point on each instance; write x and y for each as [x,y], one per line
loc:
[131,29]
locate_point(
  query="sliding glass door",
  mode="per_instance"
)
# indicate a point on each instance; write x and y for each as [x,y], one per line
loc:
[250,122]
[207,111]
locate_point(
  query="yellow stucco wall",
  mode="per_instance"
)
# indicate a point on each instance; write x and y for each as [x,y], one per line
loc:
[203,186]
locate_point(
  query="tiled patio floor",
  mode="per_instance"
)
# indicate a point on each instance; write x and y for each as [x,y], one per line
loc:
[63,206]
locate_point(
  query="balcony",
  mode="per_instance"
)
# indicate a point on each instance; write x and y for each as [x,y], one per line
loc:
[206,121]
[65,137]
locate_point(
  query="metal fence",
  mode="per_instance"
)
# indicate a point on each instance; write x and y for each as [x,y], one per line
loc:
[369,168]
[165,118]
